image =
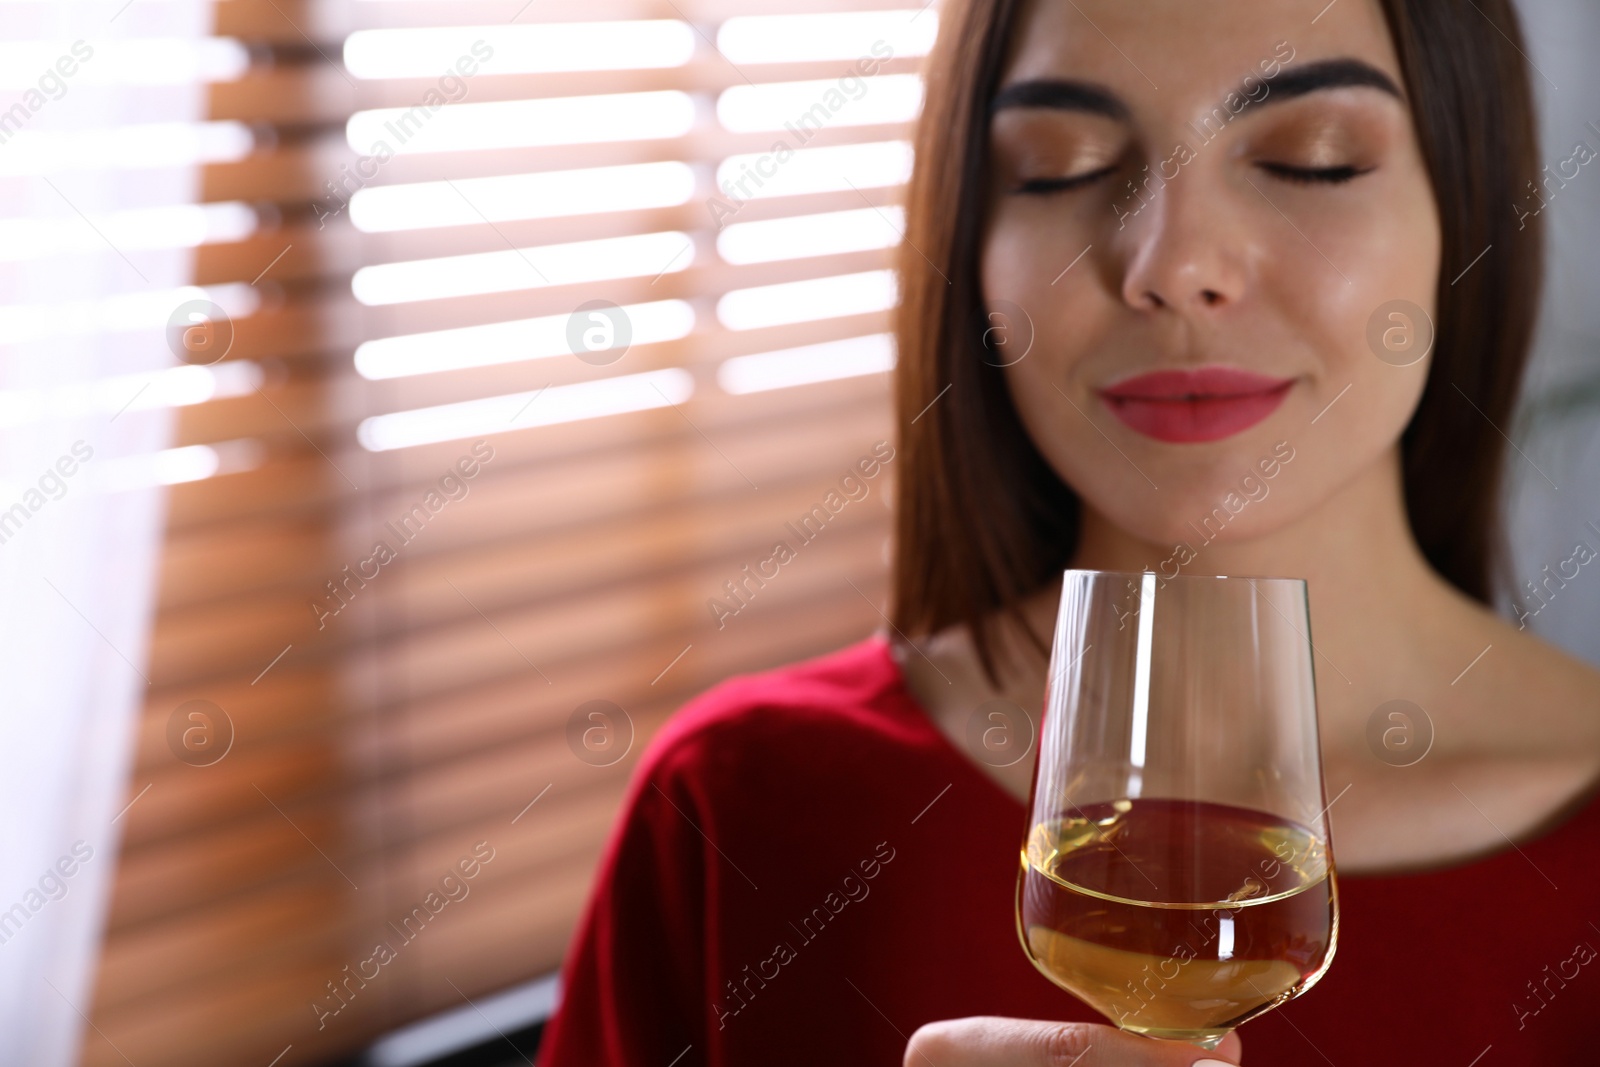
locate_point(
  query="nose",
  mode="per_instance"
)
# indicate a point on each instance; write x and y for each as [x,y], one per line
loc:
[1185,253]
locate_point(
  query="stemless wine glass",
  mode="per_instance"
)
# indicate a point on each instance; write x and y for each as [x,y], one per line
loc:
[1177,873]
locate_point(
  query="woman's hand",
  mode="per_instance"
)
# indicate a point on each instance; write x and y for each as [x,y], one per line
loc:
[990,1041]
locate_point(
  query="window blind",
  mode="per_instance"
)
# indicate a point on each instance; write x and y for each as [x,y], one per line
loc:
[555,392]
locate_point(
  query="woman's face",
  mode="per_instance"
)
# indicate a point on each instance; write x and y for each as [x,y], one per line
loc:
[1232,191]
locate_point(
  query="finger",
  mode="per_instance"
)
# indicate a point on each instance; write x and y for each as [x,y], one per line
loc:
[990,1041]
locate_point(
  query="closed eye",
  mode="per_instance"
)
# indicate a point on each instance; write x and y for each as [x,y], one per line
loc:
[1059,185]
[1311,175]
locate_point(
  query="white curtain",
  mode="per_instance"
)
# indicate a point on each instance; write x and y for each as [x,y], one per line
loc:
[86,288]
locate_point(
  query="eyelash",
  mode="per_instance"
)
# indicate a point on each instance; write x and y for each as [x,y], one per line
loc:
[1310,176]
[1299,175]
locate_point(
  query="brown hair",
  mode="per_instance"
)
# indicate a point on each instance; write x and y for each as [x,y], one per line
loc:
[983,520]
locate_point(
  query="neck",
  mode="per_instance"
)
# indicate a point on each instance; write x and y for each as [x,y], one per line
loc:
[1365,575]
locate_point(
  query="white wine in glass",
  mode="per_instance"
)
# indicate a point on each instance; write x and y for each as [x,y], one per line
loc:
[1177,874]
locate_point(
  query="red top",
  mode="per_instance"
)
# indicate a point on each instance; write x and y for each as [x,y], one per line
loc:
[806,870]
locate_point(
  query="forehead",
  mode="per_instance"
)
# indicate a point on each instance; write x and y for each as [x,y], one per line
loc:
[1179,53]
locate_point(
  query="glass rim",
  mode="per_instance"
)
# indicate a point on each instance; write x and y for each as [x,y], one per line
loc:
[1180,577]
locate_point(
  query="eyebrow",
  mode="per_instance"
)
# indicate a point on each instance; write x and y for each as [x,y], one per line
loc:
[1331,74]
[1069,95]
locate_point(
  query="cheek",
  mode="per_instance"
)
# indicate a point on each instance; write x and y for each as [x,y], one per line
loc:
[1013,260]
[1362,257]
[1373,326]
[1022,265]
[1023,268]
[1031,240]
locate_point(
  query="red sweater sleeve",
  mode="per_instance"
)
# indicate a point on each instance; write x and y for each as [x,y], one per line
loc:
[633,979]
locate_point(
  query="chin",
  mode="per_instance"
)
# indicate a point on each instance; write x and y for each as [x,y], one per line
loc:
[1206,511]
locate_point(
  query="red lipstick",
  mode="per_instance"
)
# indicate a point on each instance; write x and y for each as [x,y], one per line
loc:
[1190,406]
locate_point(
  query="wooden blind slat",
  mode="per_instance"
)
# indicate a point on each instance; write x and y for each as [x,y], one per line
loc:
[317,92]
[282,484]
[297,172]
[286,21]
[336,250]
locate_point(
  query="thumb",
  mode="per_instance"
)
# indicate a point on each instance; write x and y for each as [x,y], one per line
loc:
[1230,1051]
[991,1041]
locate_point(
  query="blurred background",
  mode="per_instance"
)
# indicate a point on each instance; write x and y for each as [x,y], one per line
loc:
[401,401]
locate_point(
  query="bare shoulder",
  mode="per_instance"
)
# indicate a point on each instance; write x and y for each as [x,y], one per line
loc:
[1568,676]
[1534,697]
[1514,744]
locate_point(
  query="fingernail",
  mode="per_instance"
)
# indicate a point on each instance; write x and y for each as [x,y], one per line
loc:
[1212,1063]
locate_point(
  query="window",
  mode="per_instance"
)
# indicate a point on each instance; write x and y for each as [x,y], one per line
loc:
[549,322]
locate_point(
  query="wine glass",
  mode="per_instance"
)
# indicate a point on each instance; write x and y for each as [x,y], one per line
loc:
[1177,873]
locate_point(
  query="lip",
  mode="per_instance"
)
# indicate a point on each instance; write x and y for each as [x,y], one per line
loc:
[1192,406]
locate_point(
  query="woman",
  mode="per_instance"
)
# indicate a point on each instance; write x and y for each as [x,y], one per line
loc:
[1154,252]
